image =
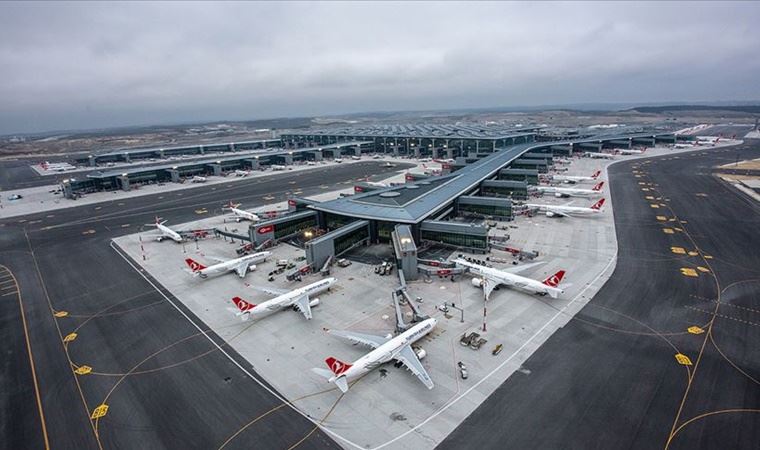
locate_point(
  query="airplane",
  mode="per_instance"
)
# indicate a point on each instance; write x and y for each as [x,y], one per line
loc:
[707,140]
[384,349]
[241,214]
[571,192]
[166,232]
[630,151]
[356,157]
[567,210]
[376,184]
[198,179]
[300,299]
[241,265]
[572,179]
[690,145]
[599,155]
[242,173]
[490,278]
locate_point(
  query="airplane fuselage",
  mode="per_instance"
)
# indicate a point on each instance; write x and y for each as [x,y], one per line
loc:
[168,233]
[231,265]
[287,300]
[512,280]
[388,351]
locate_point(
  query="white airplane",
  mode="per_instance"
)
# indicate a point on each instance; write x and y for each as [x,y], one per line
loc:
[166,232]
[384,349]
[490,278]
[198,179]
[572,179]
[241,265]
[356,157]
[571,192]
[300,299]
[376,184]
[311,163]
[567,210]
[599,155]
[703,140]
[241,214]
[630,151]
[242,173]
[690,145]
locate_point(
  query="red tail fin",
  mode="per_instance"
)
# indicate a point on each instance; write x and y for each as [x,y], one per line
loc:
[242,304]
[598,186]
[338,367]
[195,266]
[596,174]
[554,280]
[598,205]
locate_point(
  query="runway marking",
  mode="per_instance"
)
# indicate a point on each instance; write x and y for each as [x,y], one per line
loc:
[70,337]
[60,314]
[693,253]
[654,205]
[695,330]
[703,269]
[689,272]
[668,230]
[645,189]
[678,250]
[126,225]
[723,316]
[99,412]
[31,358]
[683,359]
[88,232]
[701,194]
[649,197]
[707,256]
[83,370]
[9,293]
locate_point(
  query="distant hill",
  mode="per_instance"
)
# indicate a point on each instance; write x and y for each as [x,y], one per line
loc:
[750,109]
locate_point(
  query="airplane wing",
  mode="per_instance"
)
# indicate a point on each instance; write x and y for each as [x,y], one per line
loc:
[242,268]
[409,359]
[488,286]
[302,304]
[558,213]
[370,340]
[518,269]
[269,290]
[216,258]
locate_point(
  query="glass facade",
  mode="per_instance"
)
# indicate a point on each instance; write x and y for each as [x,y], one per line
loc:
[384,230]
[456,239]
[343,243]
[487,210]
[292,227]
[335,221]
[491,191]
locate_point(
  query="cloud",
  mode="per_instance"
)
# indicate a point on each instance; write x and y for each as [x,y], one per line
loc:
[89,65]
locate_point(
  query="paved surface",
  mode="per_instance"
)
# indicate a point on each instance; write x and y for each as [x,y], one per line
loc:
[609,378]
[166,384]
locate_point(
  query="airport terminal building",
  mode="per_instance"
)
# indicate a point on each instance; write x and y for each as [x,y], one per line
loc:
[479,184]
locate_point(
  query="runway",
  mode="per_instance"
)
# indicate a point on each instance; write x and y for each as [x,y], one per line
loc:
[610,378]
[166,384]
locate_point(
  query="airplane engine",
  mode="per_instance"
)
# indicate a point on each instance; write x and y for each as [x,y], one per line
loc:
[477,282]
[252,267]
[549,214]
[420,352]
[314,302]
[558,195]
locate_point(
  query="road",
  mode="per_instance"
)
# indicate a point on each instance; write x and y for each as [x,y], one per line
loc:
[165,382]
[610,378]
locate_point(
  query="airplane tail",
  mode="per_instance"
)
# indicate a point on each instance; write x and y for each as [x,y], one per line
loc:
[598,205]
[156,223]
[194,265]
[337,366]
[598,186]
[242,305]
[554,280]
[596,174]
[231,205]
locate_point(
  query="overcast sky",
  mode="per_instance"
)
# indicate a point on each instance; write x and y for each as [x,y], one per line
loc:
[90,65]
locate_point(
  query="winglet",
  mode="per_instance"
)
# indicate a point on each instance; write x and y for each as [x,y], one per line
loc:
[598,186]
